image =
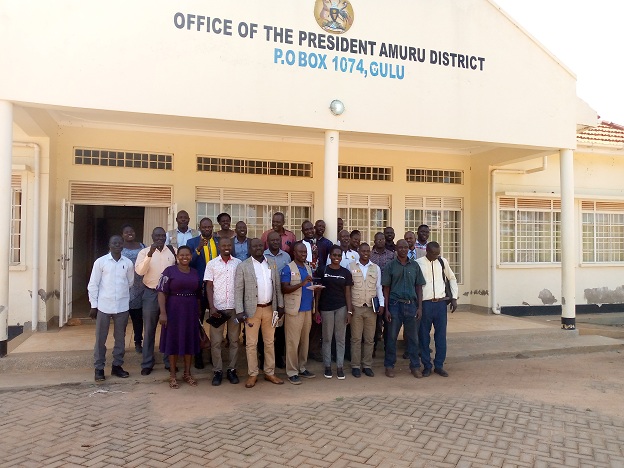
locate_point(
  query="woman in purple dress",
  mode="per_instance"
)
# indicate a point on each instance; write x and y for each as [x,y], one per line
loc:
[178,297]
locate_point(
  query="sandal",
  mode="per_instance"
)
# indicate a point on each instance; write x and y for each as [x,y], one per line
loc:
[173,383]
[189,380]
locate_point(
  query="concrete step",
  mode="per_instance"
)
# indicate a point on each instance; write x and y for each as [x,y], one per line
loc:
[462,346]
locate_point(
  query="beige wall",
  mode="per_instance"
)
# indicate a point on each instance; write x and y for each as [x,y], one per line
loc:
[597,177]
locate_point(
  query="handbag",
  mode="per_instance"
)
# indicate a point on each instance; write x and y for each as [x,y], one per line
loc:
[447,284]
[204,341]
[218,321]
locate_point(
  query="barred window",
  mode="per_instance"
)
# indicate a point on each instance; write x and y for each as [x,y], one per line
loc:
[603,231]
[256,167]
[529,230]
[437,176]
[115,158]
[369,214]
[444,217]
[365,173]
[255,207]
[16,226]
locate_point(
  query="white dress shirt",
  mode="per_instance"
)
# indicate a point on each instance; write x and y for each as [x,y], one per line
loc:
[222,273]
[435,287]
[364,270]
[152,267]
[264,280]
[109,286]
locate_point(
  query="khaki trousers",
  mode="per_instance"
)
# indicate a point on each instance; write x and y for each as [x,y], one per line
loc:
[297,328]
[260,322]
[363,323]
[216,340]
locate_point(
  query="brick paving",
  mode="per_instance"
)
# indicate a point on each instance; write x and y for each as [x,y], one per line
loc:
[73,426]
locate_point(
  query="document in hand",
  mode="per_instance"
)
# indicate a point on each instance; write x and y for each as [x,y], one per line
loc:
[375,302]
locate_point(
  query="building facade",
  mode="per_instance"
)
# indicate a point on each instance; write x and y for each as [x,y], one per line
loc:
[452,116]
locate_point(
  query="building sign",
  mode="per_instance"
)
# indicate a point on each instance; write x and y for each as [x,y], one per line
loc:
[331,51]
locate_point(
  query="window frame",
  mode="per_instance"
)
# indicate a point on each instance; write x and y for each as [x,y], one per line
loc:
[601,208]
[529,204]
[441,205]
[20,187]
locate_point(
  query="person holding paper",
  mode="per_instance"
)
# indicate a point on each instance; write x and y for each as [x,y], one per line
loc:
[296,282]
[365,291]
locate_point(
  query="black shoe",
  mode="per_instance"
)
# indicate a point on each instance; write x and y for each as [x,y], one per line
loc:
[199,361]
[231,376]
[427,372]
[340,373]
[118,371]
[99,375]
[355,372]
[295,380]
[328,373]
[441,372]
[146,371]
[307,374]
[405,355]
[368,372]
[138,348]
[216,380]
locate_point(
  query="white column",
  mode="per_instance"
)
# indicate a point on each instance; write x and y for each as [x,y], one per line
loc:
[6,150]
[568,241]
[330,183]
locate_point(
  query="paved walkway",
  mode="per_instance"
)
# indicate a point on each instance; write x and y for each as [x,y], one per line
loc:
[117,425]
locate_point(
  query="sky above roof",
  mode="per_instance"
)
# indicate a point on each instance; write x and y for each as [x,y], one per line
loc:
[586,36]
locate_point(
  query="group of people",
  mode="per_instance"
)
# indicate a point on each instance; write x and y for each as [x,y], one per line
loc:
[292,299]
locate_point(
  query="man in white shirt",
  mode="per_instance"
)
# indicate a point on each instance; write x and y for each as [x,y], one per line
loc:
[366,285]
[258,294]
[150,263]
[182,234]
[219,278]
[109,295]
[436,270]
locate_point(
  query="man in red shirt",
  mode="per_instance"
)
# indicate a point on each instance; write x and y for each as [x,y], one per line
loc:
[288,237]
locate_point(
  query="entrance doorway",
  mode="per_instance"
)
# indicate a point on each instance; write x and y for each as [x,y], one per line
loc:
[94,226]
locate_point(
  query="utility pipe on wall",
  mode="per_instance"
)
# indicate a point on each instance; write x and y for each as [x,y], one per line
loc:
[34,303]
[494,224]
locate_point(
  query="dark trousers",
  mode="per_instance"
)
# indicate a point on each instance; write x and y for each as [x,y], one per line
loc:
[316,340]
[433,314]
[279,345]
[136,315]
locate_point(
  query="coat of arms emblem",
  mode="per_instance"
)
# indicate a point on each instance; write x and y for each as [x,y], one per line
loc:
[334,16]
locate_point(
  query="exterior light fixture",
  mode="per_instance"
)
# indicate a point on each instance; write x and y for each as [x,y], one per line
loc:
[336,107]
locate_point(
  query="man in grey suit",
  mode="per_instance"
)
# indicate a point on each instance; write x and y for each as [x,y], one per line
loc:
[257,295]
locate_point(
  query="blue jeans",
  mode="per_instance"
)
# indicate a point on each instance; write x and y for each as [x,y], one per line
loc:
[402,315]
[433,313]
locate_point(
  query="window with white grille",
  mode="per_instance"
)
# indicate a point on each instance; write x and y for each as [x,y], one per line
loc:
[603,231]
[369,214]
[529,230]
[365,173]
[117,158]
[255,207]
[17,208]
[444,217]
[436,176]
[252,166]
